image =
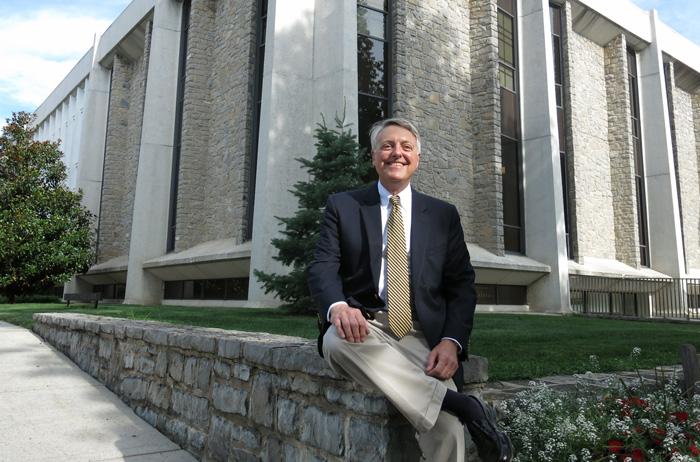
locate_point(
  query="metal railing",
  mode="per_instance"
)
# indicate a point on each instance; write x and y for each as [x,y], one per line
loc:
[665,298]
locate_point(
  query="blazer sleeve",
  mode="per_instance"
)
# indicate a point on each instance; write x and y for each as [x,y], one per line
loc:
[458,286]
[325,283]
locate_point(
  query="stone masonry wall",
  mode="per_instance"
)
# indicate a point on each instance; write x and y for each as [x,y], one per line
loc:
[687,168]
[431,88]
[621,152]
[123,142]
[590,152]
[227,395]
[487,226]
[217,124]
[696,119]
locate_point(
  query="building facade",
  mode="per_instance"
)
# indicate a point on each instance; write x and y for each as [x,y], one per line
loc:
[566,132]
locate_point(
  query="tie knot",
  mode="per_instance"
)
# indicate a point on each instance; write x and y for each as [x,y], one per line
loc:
[394,200]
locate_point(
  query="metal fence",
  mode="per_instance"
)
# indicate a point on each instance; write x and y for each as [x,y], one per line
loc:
[666,298]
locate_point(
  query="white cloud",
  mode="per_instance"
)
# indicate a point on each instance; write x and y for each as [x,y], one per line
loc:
[45,47]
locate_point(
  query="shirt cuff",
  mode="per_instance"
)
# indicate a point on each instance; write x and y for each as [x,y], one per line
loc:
[333,305]
[459,345]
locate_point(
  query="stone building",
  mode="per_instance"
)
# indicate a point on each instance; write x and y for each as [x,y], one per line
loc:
[567,133]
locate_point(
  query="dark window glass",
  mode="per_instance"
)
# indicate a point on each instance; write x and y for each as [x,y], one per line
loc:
[188,289]
[173,290]
[510,122]
[370,111]
[493,294]
[261,36]
[370,22]
[215,289]
[506,39]
[506,77]
[510,167]
[177,142]
[377,4]
[373,53]
[507,6]
[638,158]
[370,64]
[237,288]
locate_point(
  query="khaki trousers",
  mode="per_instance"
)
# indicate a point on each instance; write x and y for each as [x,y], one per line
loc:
[397,369]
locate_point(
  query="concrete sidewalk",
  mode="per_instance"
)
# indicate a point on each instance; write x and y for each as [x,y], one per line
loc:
[50,410]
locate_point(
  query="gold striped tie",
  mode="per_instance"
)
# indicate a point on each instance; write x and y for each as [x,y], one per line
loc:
[398,285]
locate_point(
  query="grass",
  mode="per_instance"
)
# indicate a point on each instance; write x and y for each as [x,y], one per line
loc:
[517,346]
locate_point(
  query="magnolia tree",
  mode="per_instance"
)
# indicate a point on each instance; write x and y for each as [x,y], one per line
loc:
[45,233]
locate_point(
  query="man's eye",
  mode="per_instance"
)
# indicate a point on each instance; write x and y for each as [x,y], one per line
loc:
[407,147]
[386,147]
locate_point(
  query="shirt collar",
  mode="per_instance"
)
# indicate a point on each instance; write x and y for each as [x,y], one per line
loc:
[405,196]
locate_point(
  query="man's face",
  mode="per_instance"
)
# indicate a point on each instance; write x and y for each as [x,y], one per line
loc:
[396,157]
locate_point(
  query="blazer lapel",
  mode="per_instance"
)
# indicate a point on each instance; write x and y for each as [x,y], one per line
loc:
[372,220]
[420,224]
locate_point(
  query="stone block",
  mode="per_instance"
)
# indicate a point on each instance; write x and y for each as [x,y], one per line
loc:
[476,370]
[262,399]
[367,441]
[156,336]
[302,384]
[258,353]
[161,366]
[135,332]
[159,395]
[241,372]
[145,364]
[177,431]
[230,348]
[204,367]
[176,366]
[193,408]
[196,438]
[203,343]
[358,401]
[222,369]
[190,371]
[229,399]
[322,430]
[134,388]
[105,348]
[287,418]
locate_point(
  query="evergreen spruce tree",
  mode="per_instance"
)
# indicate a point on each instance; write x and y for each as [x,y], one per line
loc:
[339,165]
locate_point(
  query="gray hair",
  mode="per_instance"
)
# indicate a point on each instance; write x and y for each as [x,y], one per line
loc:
[399,122]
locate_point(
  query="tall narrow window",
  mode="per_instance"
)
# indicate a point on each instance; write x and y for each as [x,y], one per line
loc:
[373,65]
[556,20]
[638,158]
[510,127]
[177,141]
[260,34]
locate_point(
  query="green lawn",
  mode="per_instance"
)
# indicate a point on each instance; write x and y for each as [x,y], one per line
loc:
[517,346]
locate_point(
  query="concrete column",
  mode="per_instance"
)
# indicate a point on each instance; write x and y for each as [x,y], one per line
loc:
[152,196]
[665,240]
[335,61]
[287,121]
[545,233]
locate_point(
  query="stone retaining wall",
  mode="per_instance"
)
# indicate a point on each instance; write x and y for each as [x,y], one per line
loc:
[229,395]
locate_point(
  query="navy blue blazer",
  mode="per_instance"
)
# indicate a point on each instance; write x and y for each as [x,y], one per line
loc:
[348,258]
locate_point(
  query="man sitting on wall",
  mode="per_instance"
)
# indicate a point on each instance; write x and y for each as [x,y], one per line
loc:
[394,284]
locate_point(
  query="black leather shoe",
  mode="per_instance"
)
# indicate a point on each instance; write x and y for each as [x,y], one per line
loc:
[492,444]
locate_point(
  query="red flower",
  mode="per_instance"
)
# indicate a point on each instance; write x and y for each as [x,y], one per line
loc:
[694,450]
[615,446]
[660,433]
[680,416]
[637,455]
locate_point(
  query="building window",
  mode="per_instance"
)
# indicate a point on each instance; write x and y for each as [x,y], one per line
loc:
[511,164]
[260,37]
[556,22]
[638,158]
[111,291]
[207,289]
[373,65]
[494,294]
[177,141]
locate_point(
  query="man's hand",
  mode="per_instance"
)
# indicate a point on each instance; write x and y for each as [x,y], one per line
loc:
[349,323]
[442,361]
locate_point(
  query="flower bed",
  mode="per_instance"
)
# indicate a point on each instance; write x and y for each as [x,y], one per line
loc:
[616,422]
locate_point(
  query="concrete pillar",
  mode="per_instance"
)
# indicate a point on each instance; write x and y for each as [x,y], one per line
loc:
[545,233]
[287,121]
[335,61]
[665,240]
[152,196]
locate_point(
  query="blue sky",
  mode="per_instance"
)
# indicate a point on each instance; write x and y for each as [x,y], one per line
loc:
[49,36]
